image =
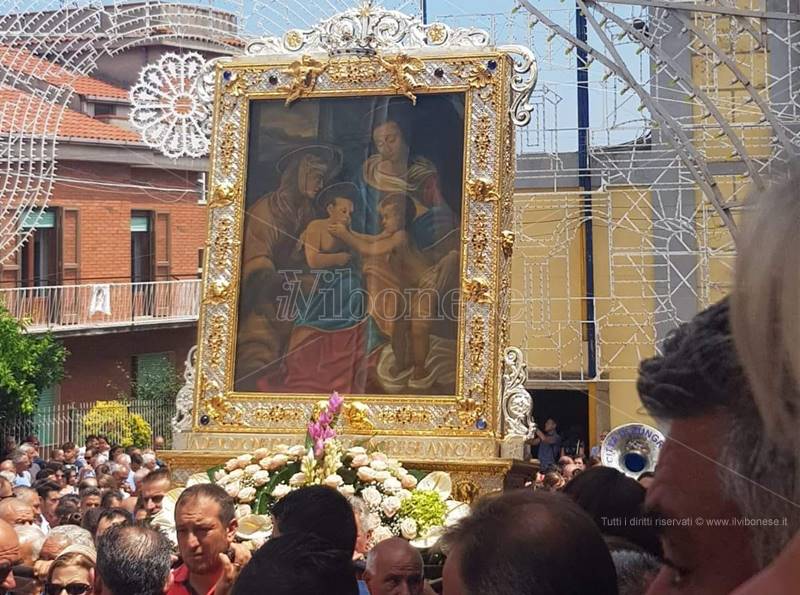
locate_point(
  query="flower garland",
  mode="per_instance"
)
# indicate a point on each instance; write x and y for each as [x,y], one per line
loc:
[399,503]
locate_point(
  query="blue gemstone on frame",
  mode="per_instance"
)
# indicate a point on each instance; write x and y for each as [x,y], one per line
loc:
[227,75]
[481,424]
[205,420]
[492,64]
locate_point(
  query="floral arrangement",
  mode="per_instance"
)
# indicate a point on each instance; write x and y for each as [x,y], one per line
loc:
[399,502]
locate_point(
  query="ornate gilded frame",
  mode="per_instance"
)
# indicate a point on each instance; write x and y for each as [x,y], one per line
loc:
[371,51]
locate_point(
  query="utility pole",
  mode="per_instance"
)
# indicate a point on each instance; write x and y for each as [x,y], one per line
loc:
[585,182]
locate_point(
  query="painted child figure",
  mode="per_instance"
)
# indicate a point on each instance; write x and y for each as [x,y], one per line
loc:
[393,270]
[322,249]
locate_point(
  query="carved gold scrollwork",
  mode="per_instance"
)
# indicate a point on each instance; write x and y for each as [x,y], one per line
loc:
[477,290]
[227,150]
[482,190]
[507,242]
[405,416]
[277,414]
[477,343]
[216,339]
[403,70]
[354,70]
[481,141]
[479,77]
[223,242]
[466,490]
[304,74]
[437,34]
[479,239]
[223,195]
[356,417]
[468,410]
[217,292]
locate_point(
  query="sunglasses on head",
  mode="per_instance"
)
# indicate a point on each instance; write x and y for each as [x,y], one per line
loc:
[71,589]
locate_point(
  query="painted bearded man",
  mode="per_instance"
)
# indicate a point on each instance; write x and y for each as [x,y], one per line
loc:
[273,226]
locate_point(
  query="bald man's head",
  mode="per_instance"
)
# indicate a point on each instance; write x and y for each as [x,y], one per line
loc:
[15,511]
[9,556]
[394,566]
[53,546]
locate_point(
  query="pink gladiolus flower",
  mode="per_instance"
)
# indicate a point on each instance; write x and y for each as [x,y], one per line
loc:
[335,403]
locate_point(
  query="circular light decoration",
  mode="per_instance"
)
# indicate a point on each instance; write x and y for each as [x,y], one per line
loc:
[168,107]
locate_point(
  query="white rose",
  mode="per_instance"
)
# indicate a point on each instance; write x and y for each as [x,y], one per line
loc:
[372,497]
[260,453]
[247,494]
[381,534]
[280,491]
[282,448]
[231,464]
[261,477]
[382,475]
[225,480]
[298,450]
[251,470]
[243,510]
[409,482]
[390,506]
[265,463]
[219,474]
[233,489]
[360,461]
[403,494]
[373,521]
[392,486]
[333,481]
[236,473]
[393,464]
[278,461]
[408,528]
[297,480]
[379,465]
[379,456]
[347,491]
[366,474]
[244,460]
[356,450]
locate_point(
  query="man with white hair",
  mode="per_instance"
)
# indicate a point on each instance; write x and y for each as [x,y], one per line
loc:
[121,473]
[22,465]
[149,458]
[33,456]
[31,539]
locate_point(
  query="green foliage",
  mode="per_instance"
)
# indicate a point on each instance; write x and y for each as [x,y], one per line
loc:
[113,419]
[159,382]
[425,507]
[141,433]
[28,365]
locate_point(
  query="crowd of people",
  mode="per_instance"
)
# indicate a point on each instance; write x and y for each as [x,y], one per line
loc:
[720,515]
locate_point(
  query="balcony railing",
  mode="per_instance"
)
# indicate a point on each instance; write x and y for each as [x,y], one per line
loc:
[82,307]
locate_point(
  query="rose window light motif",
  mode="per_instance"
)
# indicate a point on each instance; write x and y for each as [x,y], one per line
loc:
[168,107]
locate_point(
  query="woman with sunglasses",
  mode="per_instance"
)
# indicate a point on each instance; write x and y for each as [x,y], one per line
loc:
[72,573]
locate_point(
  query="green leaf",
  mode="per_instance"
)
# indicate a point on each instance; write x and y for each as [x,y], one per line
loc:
[348,474]
[263,501]
[213,470]
[418,474]
[283,476]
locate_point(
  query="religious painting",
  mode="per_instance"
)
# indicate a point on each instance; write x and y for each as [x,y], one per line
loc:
[350,253]
[360,235]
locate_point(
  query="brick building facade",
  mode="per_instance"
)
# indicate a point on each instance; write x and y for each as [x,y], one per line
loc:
[112,268]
